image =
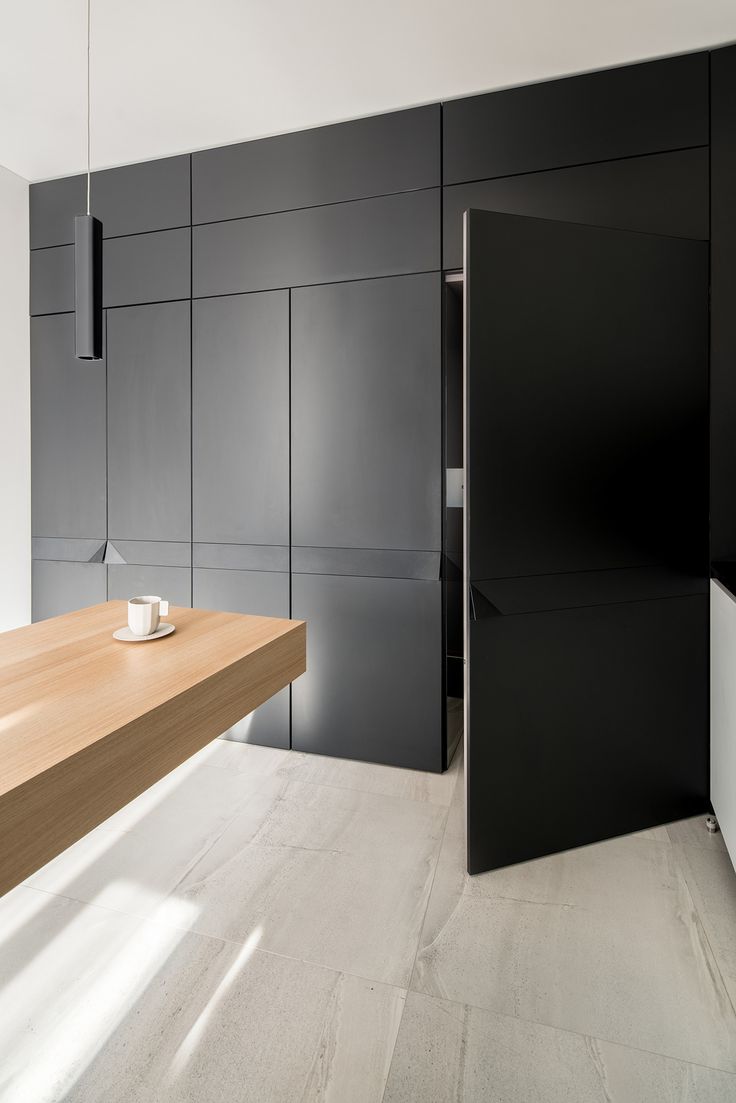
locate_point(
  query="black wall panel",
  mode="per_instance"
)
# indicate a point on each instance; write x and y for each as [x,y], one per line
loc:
[147,268]
[143,268]
[373,687]
[723,315]
[149,422]
[367,562]
[612,699]
[623,112]
[70,549]
[586,445]
[242,557]
[666,193]
[389,153]
[59,588]
[262,594]
[536,593]
[174,584]
[588,407]
[452,574]
[162,553]
[347,241]
[367,414]
[52,280]
[132,199]
[240,419]
[68,443]
[349,216]
[53,205]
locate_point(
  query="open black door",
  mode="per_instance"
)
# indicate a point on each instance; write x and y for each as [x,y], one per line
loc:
[586,534]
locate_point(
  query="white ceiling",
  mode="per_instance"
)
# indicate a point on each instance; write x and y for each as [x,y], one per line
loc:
[174,75]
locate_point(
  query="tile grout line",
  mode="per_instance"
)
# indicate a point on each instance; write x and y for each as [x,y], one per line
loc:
[699,910]
[152,919]
[701,916]
[574,1033]
[372,980]
[637,837]
[419,942]
[388,984]
[368,792]
[344,788]
[204,936]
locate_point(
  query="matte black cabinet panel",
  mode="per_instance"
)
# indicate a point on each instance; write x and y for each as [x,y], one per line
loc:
[586,449]
[723,311]
[149,422]
[452,570]
[396,152]
[638,109]
[366,414]
[594,724]
[278,444]
[242,557]
[261,594]
[144,268]
[536,593]
[132,199]
[67,434]
[53,205]
[587,398]
[147,268]
[71,549]
[174,584]
[663,194]
[240,419]
[59,588]
[161,553]
[52,280]
[347,241]
[367,562]
[373,686]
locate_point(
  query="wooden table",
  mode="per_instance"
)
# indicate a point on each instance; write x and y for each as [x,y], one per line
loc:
[87,722]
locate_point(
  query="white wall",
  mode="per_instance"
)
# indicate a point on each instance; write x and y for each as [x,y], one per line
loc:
[15,408]
[723,712]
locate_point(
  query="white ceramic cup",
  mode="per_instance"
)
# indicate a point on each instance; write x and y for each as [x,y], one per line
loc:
[144,614]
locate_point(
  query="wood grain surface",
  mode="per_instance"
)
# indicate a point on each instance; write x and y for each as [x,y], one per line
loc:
[87,722]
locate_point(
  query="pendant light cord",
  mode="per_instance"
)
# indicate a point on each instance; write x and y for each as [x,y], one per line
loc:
[89,142]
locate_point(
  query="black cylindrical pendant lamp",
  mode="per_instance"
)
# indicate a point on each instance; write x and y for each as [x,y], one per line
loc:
[88,287]
[88,255]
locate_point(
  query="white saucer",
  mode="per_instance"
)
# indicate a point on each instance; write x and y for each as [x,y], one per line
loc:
[130,637]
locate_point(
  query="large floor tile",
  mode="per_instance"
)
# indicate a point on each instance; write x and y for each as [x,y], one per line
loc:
[197,792]
[604,940]
[694,832]
[257,1029]
[450,1053]
[246,929]
[100,1006]
[248,758]
[333,876]
[141,854]
[657,834]
[384,780]
[329,818]
[712,883]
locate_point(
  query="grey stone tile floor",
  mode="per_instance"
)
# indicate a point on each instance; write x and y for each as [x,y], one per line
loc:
[268,926]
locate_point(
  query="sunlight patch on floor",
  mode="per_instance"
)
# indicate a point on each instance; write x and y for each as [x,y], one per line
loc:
[72,1024]
[189,1045]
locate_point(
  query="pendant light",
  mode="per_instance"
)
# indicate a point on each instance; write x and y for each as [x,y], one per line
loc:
[88,260]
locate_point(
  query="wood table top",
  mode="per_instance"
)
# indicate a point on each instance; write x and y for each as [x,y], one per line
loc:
[66,684]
